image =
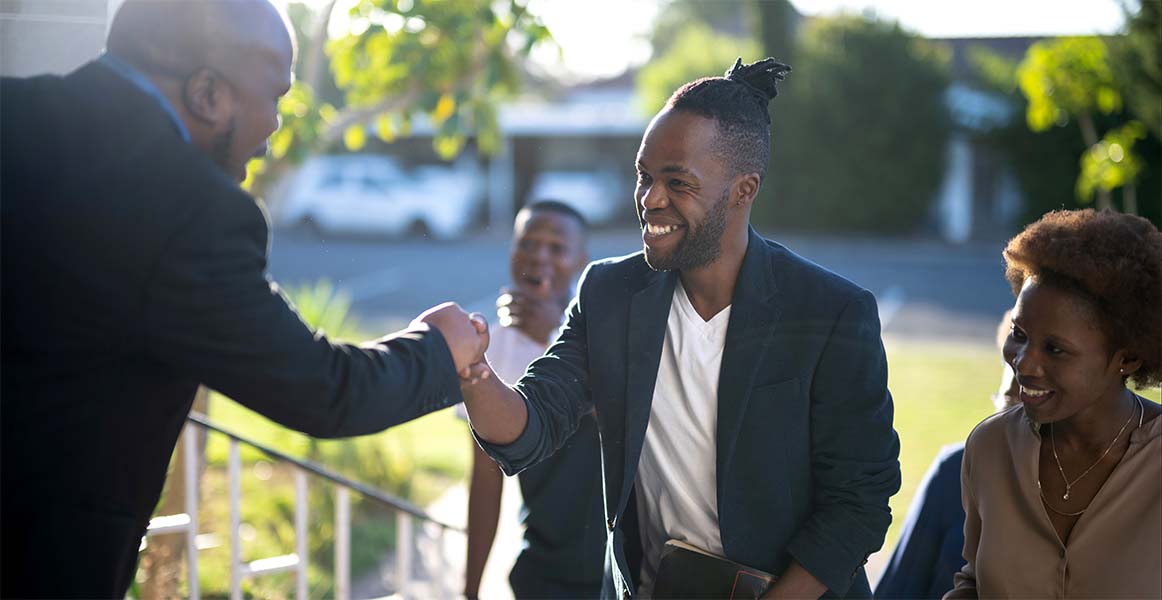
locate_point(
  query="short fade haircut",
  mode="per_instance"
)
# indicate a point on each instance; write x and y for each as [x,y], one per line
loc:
[737,102]
[556,206]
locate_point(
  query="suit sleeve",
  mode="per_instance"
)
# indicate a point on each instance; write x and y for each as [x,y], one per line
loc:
[555,389]
[964,582]
[213,315]
[854,451]
[917,563]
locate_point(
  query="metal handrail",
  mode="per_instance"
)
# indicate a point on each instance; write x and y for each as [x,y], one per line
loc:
[187,523]
[321,471]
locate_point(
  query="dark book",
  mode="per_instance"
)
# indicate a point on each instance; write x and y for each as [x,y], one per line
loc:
[686,571]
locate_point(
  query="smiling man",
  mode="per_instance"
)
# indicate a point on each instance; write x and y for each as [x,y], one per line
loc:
[740,390]
[563,534]
[134,270]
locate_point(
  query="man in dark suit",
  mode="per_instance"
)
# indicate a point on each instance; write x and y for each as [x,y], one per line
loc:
[134,270]
[740,390]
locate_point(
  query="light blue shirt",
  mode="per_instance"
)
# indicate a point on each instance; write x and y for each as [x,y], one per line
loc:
[138,79]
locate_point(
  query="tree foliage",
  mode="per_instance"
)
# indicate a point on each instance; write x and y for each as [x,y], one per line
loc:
[450,61]
[860,130]
[1137,58]
[1067,78]
[1072,80]
[697,51]
[1046,163]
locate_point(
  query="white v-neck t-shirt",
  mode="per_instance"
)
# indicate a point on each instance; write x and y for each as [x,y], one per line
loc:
[676,478]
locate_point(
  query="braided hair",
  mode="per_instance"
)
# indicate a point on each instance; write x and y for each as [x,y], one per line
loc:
[737,102]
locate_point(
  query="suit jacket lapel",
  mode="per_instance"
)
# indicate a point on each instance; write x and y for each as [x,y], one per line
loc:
[753,314]
[649,310]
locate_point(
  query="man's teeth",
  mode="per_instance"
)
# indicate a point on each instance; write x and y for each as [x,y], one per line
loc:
[660,229]
[1035,393]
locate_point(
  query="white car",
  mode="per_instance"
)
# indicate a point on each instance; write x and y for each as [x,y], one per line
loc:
[373,195]
[593,193]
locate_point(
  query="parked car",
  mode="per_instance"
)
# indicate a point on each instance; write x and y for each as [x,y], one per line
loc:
[593,193]
[373,194]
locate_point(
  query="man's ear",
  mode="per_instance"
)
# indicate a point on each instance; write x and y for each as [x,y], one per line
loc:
[746,188]
[208,98]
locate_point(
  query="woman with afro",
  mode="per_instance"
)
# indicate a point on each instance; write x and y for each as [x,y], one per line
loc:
[1063,492]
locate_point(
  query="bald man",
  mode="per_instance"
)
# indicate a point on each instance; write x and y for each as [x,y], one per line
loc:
[134,269]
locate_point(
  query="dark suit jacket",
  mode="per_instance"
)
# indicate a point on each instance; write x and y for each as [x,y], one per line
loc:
[133,270]
[807,457]
[931,547]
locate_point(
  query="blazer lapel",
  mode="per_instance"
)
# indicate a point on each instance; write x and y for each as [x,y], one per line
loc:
[753,314]
[649,310]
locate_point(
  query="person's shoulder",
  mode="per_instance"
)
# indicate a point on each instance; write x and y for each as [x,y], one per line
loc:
[995,429]
[806,277]
[625,264]
[627,268]
[948,459]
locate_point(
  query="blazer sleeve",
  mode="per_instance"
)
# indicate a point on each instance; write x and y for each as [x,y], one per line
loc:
[918,564]
[555,389]
[854,450]
[213,315]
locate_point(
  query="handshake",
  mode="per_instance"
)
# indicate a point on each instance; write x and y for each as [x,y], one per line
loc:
[466,336]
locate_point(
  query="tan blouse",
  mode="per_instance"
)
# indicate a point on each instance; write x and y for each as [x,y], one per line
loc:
[1114,550]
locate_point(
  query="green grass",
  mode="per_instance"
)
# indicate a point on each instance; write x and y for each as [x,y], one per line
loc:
[940,391]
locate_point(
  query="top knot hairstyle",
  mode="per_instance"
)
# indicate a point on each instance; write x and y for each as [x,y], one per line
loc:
[1113,261]
[738,104]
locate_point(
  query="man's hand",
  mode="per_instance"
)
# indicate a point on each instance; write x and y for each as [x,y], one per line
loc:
[467,335]
[530,311]
[795,583]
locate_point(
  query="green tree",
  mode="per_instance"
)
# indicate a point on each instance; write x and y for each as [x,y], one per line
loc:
[1046,163]
[774,24]
[1070,79]
[697,52]
[1137,61]
[859,130]
[674,16]
[450,61]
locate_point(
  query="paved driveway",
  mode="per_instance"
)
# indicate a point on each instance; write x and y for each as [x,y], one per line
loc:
[926,289]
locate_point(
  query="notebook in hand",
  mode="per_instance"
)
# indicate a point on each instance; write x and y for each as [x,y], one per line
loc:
[686,571]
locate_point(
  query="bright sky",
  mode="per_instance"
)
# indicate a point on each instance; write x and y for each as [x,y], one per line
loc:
[601,38]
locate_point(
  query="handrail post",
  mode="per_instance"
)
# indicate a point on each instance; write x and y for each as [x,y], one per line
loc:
[301,532]
[190,455]
[441,562]
[403,551]
[342,543]
[235,469]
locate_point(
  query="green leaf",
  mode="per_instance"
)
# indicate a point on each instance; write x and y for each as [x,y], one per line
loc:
[354,138]
[384,129]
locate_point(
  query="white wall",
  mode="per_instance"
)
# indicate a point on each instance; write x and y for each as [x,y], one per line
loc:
[51,36]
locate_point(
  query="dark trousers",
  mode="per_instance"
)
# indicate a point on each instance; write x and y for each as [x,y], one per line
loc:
[532,581]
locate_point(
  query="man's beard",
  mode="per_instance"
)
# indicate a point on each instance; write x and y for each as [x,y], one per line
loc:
[220,151]
[701,245]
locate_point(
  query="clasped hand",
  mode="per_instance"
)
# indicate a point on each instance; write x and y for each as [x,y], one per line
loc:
[466,336]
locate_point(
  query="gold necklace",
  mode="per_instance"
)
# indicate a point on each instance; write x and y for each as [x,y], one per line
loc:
[1045,501]
[1070,484]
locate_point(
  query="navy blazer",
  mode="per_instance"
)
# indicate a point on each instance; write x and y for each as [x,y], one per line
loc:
[931,546]
[807,457]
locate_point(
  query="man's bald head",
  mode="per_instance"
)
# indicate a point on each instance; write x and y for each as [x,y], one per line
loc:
[222,64]
[176,37]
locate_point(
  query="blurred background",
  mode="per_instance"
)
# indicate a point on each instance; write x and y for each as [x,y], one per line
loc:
[910,142]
